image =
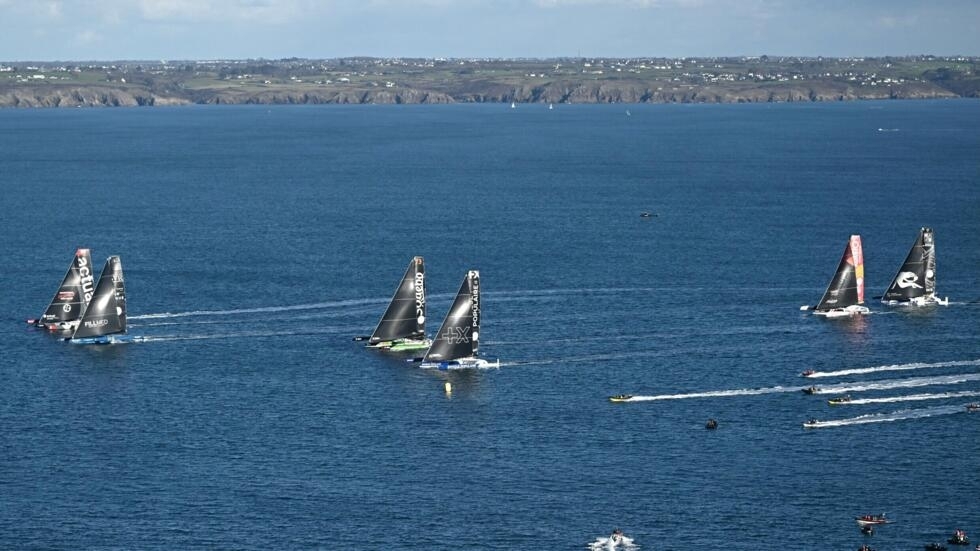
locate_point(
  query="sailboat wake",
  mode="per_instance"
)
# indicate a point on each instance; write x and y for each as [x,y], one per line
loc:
[262,309]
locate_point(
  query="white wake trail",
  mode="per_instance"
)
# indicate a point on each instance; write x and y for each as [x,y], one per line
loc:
[889,417]
[885,368]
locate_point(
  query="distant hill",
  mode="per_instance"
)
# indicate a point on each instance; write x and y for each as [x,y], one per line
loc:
[431,81]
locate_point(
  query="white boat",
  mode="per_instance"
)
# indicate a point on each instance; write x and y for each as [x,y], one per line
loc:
[402,326]
[915,282]
[457,343]
[845,294]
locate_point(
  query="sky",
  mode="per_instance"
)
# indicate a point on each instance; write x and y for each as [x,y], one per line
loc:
[85,30]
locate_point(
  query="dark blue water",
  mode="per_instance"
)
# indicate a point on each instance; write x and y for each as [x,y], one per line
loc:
[257,241]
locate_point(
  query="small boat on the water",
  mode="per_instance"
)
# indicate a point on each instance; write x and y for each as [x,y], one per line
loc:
[845,294]
[711,424]
[935,547]
[866,520]
[973,408]
[865,547]
[959,538]
[72,297]
[810,390]
[839,400]
[812,423]
[456,345]
[915,282]
[402,326]
[617,540]
[807,373]
[619,398]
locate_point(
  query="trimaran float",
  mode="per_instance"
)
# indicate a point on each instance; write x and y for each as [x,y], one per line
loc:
[456,345]
[915,282]
[72,297]
[104,321]
[845,294]
[402,326]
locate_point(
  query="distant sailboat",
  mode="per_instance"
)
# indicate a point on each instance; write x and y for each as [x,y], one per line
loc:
[513,105]
[457,342]
[845,294]
[104,321]
[402,326]
[915,282]
[72,297]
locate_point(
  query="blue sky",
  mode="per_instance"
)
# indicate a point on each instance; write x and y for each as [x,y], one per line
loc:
[49,30]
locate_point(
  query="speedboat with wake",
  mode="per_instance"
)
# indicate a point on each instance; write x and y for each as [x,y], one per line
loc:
[845,294]
[839,400]
[959,538]
[915,282]
[811,423]
[872,520]
[104,321]
[617,540]
[621,398]
[72,297]
[402,326]
[456,345]
[810,390]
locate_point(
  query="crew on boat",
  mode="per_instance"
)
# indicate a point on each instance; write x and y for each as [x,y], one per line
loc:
[711,424]
[617,536]
[959,538]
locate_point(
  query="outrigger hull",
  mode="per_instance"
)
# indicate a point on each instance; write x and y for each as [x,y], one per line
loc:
[461,363]
[402,346]
[854,310]
[106,339]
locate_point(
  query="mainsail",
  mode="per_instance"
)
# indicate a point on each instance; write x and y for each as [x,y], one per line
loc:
[405,316]
[106,313]
[69,302]
[847,287]
[917,276]
[459,336]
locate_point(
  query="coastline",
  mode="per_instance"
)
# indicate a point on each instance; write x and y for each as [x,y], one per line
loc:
[563,81]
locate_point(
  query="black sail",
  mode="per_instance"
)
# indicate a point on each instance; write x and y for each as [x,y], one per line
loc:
[69,302]
[106,313]
[460,332]
[917,276]
[405,316]
[847,286]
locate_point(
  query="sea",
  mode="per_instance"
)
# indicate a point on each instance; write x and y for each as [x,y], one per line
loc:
[257,241]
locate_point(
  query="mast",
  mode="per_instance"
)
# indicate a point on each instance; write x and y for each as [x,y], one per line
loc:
[72,297]
[405,316]
[106,313]
[847,286]
[917,276]
[459,335]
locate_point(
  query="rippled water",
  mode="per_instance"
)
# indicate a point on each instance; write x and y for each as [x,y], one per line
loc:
[257,241]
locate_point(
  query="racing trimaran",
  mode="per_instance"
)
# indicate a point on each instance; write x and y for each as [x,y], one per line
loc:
[402,326]
[72,297]
[456,344]
[104,321]
[845,294]
[915,282]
